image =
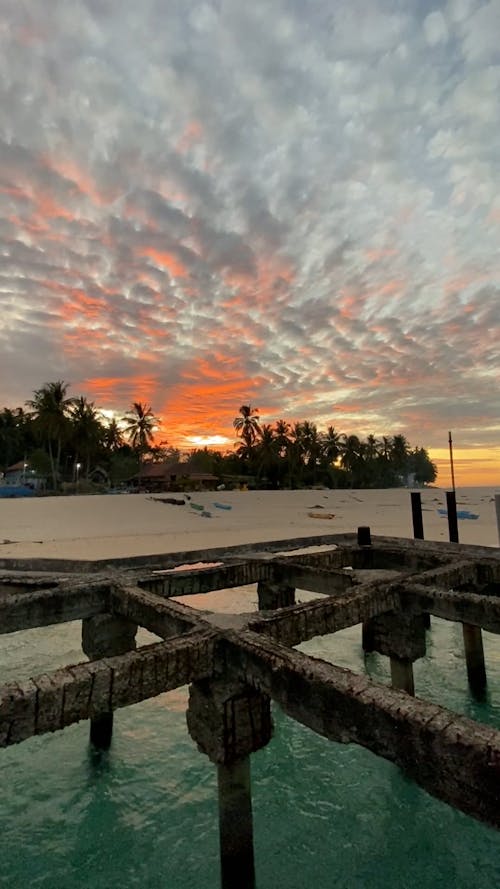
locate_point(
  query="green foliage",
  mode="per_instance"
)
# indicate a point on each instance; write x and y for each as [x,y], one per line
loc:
[59,432]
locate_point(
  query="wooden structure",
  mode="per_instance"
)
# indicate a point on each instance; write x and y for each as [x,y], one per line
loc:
[237,664]
[158,477]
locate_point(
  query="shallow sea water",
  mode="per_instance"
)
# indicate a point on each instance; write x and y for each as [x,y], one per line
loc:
[144,814]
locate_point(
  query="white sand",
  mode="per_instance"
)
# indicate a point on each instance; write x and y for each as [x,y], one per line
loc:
[94,527]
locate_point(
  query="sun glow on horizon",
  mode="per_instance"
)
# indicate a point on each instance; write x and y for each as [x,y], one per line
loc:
[473,466]
[202,441]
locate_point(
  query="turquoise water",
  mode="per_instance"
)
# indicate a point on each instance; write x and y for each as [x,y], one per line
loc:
[144,814]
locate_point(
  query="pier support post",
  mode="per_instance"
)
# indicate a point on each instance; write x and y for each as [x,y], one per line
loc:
[474,658]
[418,533]
[228,722]
[402,675]
[106,635]
[365,541]
[274,595]
[402,638]
[236,825]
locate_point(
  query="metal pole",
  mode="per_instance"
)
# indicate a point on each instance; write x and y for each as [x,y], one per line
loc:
[450,442]
[497,509]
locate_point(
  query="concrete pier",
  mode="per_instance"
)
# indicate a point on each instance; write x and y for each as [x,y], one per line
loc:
[274,595]
[402,675]
[228,722]
[236,664]
[474,658]
[106,635]
[236,825]
[402,638]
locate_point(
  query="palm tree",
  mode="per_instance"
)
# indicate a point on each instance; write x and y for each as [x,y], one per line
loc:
[282,437]
[352,456]
[140,425]
[267,455]
[12,438]
[50,406]
[87,430]
[399,453]
[113,436]
[372,447]
[331,444]
[247,424]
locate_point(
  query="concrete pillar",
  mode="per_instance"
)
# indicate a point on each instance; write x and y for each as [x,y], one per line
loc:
[274,595]
[106,635]
[367,637]
[401,637]
[402,675]
[474,658]
[418,533]
[228,722]
[236,825]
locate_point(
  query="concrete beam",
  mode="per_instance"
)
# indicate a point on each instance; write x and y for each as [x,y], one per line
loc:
[53,701]
[301,622]
[325,581]
[451,757]
[147,610]
[471,608]
[205,580]
[41,608]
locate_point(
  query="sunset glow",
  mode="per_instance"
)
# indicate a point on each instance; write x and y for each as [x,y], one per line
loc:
[210,205]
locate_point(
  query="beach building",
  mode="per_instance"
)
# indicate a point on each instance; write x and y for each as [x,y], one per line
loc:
[158,477]
[21,473]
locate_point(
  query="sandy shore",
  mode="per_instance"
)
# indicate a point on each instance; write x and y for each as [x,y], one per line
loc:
[94,527]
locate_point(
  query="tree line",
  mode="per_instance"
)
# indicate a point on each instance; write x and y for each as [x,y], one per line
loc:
[67,439]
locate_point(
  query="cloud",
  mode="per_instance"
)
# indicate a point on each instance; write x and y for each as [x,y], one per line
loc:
[291,204]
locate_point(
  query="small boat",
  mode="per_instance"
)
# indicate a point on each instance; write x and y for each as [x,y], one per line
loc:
[222,506]
[321,515]
[197,506]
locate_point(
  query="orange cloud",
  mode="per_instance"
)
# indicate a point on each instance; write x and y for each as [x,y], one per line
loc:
[192,134]
[167,260]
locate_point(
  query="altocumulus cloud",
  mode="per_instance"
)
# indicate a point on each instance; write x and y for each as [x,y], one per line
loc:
[291,203]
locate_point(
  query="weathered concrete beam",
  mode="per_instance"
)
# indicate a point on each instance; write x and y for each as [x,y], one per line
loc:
[147,610]
[472,608]
[301,622]
[316,580]
[450,575]
[41,608]
[53,701]
[205,580]
[451,757]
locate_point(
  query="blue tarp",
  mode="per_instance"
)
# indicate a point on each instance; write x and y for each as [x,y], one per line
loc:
[16,491]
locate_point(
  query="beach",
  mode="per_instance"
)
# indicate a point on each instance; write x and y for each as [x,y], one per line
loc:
[113,526]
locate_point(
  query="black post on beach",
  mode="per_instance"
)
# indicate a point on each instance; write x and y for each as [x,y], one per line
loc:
[416,512]
[450,443]
[418,532]
[451,506]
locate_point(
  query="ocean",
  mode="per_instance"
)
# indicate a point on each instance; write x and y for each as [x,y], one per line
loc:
[145,814]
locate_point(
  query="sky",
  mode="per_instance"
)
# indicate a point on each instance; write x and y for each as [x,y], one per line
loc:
[288,203]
